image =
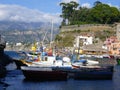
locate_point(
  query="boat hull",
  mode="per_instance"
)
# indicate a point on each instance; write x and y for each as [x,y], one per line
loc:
[93,75]
[101,73]
[41,73]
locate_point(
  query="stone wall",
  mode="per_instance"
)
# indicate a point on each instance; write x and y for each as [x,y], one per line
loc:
[118,31]
[90,27]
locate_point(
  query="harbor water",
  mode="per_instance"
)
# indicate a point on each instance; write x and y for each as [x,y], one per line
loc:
[15,80]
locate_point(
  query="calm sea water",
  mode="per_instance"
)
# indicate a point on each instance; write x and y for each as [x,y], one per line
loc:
[16,81]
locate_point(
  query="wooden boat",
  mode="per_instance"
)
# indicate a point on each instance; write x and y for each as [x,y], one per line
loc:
[43,73]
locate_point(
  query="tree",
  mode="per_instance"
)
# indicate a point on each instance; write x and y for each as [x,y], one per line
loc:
[100,13]
[67,10]
[104,14]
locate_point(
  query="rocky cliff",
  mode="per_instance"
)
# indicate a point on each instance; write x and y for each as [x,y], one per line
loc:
[4,59]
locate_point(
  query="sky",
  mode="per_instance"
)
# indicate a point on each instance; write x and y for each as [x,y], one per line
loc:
[40,10]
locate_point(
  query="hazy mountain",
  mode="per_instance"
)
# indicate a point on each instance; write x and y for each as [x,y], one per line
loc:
[14,31]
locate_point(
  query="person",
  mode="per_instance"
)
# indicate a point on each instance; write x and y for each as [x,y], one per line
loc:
[41,48]
[58,57]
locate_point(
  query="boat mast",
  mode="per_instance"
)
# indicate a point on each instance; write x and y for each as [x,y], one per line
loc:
[44,38]
[51,34]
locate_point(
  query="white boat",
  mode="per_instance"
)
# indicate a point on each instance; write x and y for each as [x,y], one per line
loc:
[65,62]
[92,62]
[84,62]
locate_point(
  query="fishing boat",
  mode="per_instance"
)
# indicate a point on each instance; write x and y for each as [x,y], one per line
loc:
[52,61]
[34,62]
[43,73]
[46,70]
[46,61]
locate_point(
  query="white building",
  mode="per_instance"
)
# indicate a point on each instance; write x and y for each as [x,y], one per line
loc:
[83,40]
[18,44]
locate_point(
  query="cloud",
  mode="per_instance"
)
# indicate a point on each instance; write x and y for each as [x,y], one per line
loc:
[20,13]
[86,5]
[67,1]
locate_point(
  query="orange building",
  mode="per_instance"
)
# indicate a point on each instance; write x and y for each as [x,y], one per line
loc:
[113,45]
[114,48]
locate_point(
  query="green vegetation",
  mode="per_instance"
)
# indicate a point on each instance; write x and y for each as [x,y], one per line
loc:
[100,13]
[65,39]
[102,35]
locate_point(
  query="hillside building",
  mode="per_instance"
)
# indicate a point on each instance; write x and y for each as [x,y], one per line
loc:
[83,40]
